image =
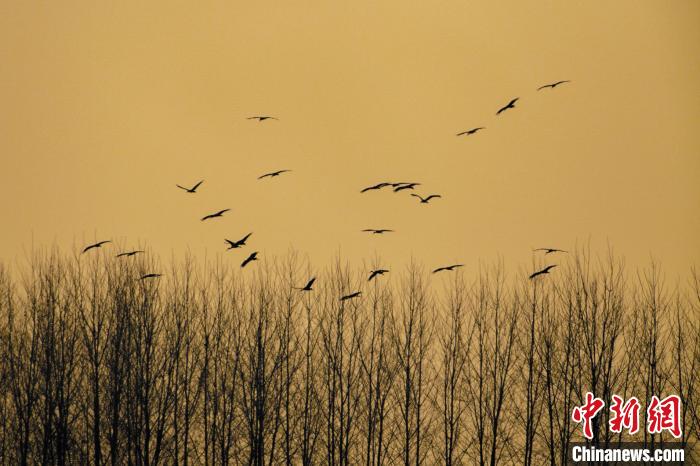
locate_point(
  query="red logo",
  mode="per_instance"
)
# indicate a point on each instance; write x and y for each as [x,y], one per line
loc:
[587,412]
[664,415]
[625,415]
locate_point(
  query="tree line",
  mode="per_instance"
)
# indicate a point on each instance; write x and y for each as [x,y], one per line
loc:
[214,365]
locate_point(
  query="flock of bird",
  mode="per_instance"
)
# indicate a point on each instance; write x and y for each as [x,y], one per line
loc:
[395,187]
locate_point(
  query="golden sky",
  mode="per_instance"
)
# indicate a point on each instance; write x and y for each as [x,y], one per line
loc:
[105,106]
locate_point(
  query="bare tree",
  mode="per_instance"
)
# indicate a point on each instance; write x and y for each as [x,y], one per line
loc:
[216,365]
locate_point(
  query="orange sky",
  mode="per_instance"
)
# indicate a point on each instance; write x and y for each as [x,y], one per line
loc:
[105,106]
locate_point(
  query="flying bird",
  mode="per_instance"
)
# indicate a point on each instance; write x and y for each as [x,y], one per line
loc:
[262,118]
[543,271]
[271,174]
[549,250]
[378,231]
[424,200]
[96,245]
[216,214]
[403,186]
[129,253]
[471,131]
[253,257]
[151,275]
[191,190]
[374,273]
[239,243]
[553,85]
[447,267]
[376,186]
[511,104]
[308,286]
[352,295]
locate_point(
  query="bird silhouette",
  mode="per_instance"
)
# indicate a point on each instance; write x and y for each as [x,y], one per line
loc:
[377,231]
[253,257]
[215,214]
[262,118]
[401,186]
[471,131]
[191,190]
[447,267]
[376,186]
[151,275]
[425,200]
[549,250]
[96,245]
[511,104]
[543,271]
[374,273]
[553,85]
[129,253]
[272,174]
[350,296]
[308,286]
[239,243]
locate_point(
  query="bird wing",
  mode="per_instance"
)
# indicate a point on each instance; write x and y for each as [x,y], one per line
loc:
[432,196]
[311,282]
[510,105]
[245,238]
[416,195]
[182,187]
[197,185]
[372,275]
[544,87]
[462,133]
[439,269]
[230,243]
[265,175]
